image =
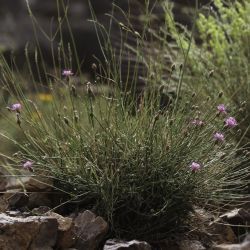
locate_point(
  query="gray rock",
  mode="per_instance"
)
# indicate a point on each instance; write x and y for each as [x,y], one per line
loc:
[191,244]
[18,200]
[217,230]
[115,244]
[40,210]
[38,199]
[30,182]
[243,246]
[238,216]
[66,235]
[34,232]
[221,233]
[89,230]
[13,199]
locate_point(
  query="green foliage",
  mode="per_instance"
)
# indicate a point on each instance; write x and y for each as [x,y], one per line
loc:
[135,170]
[221,62]
[226,31]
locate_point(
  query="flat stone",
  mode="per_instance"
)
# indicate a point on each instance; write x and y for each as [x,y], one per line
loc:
[243,246]
[34,232]
[238,216]
[40,210]
[191,244]
[115,244]
[30,182]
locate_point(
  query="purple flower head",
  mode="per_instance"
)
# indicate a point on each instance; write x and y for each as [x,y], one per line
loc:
[28,165]
[67,72]
[219,137]
[15,107]
[197,122]
[231,122]
[195,166]
[222,109]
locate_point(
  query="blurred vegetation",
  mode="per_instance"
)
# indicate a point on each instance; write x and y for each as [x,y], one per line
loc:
[221,62]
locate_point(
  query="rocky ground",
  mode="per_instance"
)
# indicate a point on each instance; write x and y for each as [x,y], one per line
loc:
[29,220]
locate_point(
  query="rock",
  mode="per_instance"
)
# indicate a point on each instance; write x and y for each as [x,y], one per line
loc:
[115,244]
[238,216]
[15,213]
[243,246]
[13,199]
[30,182]
[3,179]
[191,244]
[89,230]
[40,210]
[38,199]
[215,230]
[34,232]
[3,204]
[66,237]
[17,200]
[221,233]
[29,191]
[38,183]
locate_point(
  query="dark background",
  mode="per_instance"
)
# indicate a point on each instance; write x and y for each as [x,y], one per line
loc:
[16,27]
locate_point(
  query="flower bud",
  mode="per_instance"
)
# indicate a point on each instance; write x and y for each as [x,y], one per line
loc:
[220,94]
[94,67]
[181,67]
[66,120]
[18,121]
[76,116]
[73,90]
[171,122]
[173,67]
[243,104]
[211,73]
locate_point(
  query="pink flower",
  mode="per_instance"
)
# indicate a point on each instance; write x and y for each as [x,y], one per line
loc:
[195,166]
[197,122]
[219,137]
[231,122]
[28,165]
[222,109]
[67,72]
[15,107]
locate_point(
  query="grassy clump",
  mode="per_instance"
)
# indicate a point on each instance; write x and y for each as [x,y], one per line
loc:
[144,172]
[133,170]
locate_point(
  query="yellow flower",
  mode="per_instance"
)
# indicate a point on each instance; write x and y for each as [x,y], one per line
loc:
[45,97]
